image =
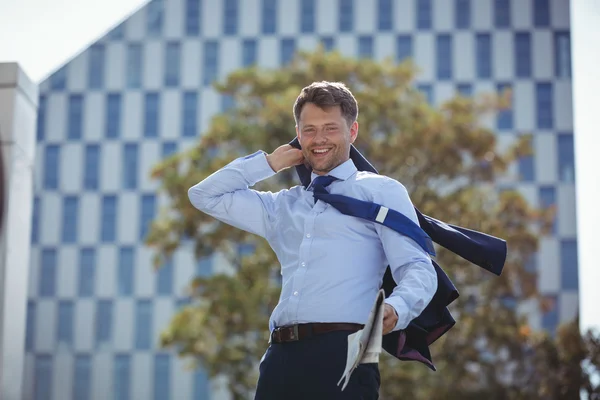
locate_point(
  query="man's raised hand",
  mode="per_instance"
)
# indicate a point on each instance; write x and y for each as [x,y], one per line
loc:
[284,156]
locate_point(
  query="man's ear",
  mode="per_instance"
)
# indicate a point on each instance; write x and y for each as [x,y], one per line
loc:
[353,131]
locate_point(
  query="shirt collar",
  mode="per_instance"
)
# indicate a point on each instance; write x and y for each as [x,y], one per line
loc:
[342,172]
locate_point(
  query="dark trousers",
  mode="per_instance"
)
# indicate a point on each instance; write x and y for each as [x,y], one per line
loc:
[310,369]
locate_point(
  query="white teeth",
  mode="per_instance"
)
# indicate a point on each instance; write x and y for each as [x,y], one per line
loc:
[321,151]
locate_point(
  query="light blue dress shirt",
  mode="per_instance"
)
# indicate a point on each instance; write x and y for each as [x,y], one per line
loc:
[332,264]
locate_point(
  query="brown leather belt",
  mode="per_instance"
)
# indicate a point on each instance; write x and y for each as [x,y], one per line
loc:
[293,333]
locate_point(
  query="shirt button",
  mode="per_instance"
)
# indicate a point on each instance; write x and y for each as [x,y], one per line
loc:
[303,264]
[296,293]
[308,235]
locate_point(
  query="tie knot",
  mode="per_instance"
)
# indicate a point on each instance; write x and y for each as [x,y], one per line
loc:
[323,181]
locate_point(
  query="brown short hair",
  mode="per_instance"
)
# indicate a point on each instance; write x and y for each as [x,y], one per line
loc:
[328,94]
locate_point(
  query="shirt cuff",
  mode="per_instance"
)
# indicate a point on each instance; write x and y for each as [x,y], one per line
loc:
[256,167]
[399,306]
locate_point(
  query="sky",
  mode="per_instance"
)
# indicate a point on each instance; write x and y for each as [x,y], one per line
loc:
[41,35]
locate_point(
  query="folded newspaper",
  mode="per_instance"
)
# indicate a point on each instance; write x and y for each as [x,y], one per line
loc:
[364,346]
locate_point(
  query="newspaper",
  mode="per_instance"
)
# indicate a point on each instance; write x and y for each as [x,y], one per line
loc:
[364,346]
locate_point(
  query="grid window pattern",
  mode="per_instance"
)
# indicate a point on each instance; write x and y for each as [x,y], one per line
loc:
[346,15]
[130,166]
[248,52]
[47,280]
[547,196]
[385,15]
[465,89]
[87,272]
[51,166]
[151,114]
[424,14]
[162,374]
[75,117]
[134,67]
[444,57]
[172,64]
[201,385]
[483,55]
[82,378]
[269,17]
[541,13]
[504,120]
[192,17]
[527,168]
[35,220]
[189,124]
[125,271]
[143,325]
[58,80]
[154,18]
[64,325]
[43,368]
[164,279]
[122,377]
[41,119]
[70,219]
[502,13]
[91,175]
[462,14]
[230,17]
[522,55]
[168,149]
[404,47]
[562,54]
[544,105]
[96,67]
[568,263]
[287,50]
[30,328]
[365,46]
[147,212]
[566,157]
[328,43]
[211,62]
[104,323]
[307,16]
[113,116]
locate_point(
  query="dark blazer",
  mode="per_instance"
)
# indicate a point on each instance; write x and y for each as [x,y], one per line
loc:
[486,251]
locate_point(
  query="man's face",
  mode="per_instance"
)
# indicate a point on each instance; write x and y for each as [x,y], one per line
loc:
[325,137]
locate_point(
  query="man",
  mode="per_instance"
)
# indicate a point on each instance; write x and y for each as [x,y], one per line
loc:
[332,264]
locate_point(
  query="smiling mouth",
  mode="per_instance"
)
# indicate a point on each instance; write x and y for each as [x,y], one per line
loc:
[321,152]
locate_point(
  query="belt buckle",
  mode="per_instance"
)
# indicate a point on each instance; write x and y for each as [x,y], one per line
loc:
[294,334]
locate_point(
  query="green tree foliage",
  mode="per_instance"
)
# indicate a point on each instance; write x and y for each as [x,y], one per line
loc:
[449,160]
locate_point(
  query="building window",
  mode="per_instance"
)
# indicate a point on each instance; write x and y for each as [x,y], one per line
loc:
[172,64]
[444,57]
[462,14]
[328,43]
[58,80]
[168,149]
[522,55]
[201,385]
[365,47]
[151,115]
[35,220]
[31,326]
[550,316]
[227,102]
[125,274]
[122,377]
[143,325]
[130,166]
[92,162]
[541,13]
[70,219]
[47,282]
[41,119]
[113,116]
[162,375]
[189,124]
[87,272]
[147,211]
[465,89]
[385,15]
[134,66]
[427,91]
[118,33]
[502,13]
[211,62]
[526,169]
[51,166]
[75,120]
[569,265]
[483,56]
[566,158]
[82,378]
[562,54]
[544,105]
[287,50]
[248,52]
[108,223]
[307,16]
[154,18]
[192,17]
[423,14]
[164,279]
[204,268]
[43,377]
[403,47]
[504,120]
[230,17]
[269,16]
[547,199]
[64,325]
[96,66]
[104,323]
[346,15]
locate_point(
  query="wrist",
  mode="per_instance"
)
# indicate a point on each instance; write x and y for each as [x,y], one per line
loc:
[272,163]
